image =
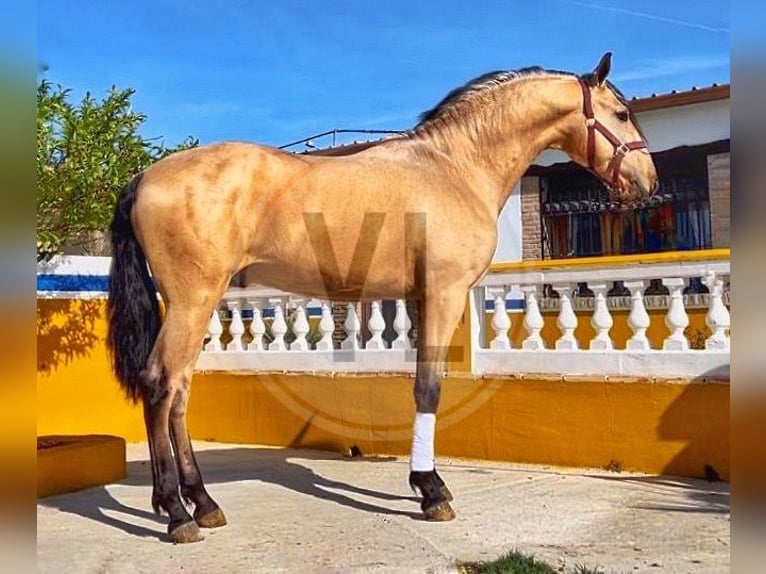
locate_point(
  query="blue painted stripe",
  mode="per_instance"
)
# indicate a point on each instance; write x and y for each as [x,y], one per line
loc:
[98,283]
[269,313]
[510,305]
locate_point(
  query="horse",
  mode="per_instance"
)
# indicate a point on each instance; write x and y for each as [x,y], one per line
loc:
[424,206]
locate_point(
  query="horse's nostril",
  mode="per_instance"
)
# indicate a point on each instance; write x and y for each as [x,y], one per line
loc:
[655,186]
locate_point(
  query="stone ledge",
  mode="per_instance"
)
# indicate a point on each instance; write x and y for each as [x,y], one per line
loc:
[66,463]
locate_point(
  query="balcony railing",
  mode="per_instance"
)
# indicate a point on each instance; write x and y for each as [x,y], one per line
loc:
[256,329]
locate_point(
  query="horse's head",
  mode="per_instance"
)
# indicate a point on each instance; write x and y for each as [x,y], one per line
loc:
[608,139]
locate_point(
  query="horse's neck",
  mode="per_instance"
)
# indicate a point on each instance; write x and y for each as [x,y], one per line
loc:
[495,147]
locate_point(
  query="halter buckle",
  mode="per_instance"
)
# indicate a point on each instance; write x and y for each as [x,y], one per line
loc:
[590,122]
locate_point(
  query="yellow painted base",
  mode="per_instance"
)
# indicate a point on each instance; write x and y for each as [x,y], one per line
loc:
[69,463]
[655,427]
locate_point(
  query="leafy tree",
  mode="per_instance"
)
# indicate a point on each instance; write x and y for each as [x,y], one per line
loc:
[86,154]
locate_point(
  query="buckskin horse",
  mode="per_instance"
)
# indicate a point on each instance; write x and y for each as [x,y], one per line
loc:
[423,205]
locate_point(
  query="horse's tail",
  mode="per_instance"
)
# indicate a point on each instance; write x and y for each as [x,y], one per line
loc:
[133,310]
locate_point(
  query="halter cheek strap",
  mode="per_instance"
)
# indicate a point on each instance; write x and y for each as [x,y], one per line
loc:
[621,149]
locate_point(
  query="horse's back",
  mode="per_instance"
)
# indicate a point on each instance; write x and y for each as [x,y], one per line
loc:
[213,166]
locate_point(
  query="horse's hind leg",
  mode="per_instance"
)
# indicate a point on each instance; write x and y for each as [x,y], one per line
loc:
[168,380]
[207,513]
[165,495]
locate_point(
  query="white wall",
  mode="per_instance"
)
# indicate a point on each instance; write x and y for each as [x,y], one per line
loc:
[509,229]
[694,124]
[665,129]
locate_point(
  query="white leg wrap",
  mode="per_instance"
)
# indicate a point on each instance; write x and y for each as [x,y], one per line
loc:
[423,442]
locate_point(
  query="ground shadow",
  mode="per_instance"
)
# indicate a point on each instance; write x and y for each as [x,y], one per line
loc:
[701,496]
[697,469]
[100,505]
[281,467]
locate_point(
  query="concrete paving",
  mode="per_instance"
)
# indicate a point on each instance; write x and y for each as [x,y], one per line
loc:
[309,511]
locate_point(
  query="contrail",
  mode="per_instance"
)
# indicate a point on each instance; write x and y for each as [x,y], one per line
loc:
[648,16]
[671,67]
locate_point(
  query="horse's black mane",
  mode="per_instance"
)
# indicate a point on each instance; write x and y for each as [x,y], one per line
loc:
[498,77]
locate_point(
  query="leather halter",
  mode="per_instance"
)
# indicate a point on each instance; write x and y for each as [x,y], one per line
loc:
[621,149]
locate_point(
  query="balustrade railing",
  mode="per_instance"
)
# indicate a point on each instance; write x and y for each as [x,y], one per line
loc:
[263,329]
[596,293]
[547,318]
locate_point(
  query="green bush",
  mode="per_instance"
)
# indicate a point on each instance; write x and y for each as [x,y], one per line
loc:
[86,154]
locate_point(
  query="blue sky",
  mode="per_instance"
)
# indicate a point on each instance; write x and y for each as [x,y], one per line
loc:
[277,71]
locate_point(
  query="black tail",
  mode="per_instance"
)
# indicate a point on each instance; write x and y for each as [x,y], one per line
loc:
[134,314]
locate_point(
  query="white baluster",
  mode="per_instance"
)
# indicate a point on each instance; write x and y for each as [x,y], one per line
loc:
[501,323]
[353,326]
[326,327]
[278,329]
[376,325]
[638,319]
[402,326]
[567,320]
[601,320]
[300,329]
[533,321]
[676,320]
[215,329]
[717,319]
[257,328]
[236,327]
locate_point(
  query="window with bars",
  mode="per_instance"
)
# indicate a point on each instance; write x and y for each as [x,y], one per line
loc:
[579,220]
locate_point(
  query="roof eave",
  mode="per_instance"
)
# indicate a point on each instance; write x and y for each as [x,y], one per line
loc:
[677,99]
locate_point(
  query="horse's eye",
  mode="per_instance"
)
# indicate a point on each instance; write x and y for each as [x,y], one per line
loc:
[622,115]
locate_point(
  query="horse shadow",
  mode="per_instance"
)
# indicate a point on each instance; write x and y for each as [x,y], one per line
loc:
[226,465]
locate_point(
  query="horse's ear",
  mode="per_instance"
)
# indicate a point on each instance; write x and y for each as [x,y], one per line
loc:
[602,70]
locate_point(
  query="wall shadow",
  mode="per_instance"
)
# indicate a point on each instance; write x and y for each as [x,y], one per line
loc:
[701,422]
[65,331]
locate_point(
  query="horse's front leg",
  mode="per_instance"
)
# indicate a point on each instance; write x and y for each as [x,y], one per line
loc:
[439,314]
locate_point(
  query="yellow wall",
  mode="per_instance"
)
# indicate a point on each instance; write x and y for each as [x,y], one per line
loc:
[79,462]
[669,427]
[76,392]
[673,428]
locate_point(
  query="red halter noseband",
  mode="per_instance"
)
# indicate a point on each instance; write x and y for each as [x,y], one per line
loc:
[621,149]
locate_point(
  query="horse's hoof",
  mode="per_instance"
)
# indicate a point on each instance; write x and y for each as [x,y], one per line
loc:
[212,519]
[187,532]
[417,479]
[441,512]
